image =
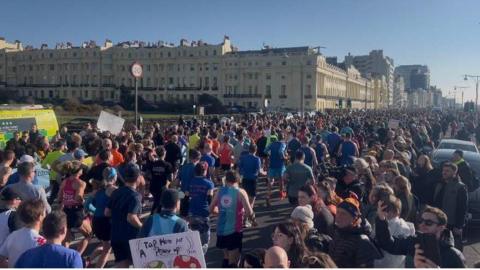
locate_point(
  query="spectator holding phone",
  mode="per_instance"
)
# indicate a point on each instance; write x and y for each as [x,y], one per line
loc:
[432,221]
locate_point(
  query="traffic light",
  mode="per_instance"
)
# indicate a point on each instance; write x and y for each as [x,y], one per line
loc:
[340,103]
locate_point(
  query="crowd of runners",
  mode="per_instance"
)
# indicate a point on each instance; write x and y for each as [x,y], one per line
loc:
[361,194]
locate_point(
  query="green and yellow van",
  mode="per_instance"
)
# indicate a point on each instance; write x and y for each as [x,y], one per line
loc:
[21,118]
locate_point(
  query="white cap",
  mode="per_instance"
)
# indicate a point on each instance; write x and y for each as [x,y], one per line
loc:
[26,158]
[304,214]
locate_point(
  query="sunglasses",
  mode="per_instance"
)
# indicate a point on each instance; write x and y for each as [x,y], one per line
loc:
[277,235]
[427,222]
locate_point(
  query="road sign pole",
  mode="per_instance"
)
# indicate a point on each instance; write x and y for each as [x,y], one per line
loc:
[136,102]
[137,72]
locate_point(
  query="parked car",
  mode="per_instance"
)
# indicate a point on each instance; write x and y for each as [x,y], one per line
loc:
[471,155]
[78,124]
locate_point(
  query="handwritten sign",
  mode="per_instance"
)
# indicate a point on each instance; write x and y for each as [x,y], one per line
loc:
[393,123]
[179,250]
[110,122]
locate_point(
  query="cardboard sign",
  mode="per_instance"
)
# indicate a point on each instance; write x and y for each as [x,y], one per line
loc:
[178,250]
[201,110]
[393,124]
[110,122]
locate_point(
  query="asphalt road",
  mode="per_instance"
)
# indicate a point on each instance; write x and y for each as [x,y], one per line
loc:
[254,237]
[260,236]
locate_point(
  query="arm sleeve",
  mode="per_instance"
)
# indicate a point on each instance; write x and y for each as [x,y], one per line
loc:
[4,248]
[145,230]
[135,206]
[462,201]
[43,197]
[77,261]
[259,164]
[180,227]
[366,254]
[393,245]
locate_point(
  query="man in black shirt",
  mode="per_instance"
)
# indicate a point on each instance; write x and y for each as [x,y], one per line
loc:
[9,220]
[125,207]
[96,172]
[174,152]
[160,173]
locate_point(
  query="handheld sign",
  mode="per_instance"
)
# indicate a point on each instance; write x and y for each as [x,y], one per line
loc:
[110,122]
[178,250]
[393,123]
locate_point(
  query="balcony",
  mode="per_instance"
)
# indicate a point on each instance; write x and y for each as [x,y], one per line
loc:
[109,85]
[242,96]
[38,85]
[308,96]
[215,88]
[184,88]
[282,96]
[268,96]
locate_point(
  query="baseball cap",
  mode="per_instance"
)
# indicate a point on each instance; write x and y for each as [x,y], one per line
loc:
[60,143]
[351,205]
[26,158]
[132,171]
[304,214]
[79,153]
[170,197]
[9,194]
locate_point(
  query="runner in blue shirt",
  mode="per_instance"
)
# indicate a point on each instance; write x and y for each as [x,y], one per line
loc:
[187,173]
[52,254]
[347,151]
[277,150]
[250,166]
[201,192]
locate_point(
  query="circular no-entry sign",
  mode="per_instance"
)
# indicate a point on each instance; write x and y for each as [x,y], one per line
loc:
[136,70]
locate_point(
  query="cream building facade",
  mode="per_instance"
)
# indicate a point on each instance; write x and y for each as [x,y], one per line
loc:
[284,78]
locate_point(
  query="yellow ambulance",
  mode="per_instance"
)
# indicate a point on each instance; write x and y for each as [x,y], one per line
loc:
[21,118]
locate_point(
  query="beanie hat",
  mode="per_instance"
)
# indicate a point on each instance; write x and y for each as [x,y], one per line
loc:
[304,214]
[351,205]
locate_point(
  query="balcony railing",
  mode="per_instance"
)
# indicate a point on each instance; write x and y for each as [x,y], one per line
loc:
[38,85]
[242,96]
[308,96]
[282,96]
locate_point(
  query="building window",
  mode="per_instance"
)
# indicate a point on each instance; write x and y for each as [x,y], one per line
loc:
[283,90]
[269,64]
[309,76]
[284,63]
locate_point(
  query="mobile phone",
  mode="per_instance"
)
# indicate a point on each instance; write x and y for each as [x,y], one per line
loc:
[429,244]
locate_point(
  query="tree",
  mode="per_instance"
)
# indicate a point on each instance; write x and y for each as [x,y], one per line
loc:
[212,104]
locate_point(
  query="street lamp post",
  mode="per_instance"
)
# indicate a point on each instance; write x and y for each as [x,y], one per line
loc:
[455,88]
[476,78]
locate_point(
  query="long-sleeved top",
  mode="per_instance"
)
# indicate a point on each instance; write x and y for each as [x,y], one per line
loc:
[452,198]
[450,256]
[28,191]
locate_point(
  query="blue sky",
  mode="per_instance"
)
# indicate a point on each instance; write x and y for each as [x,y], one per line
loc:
[443,34]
